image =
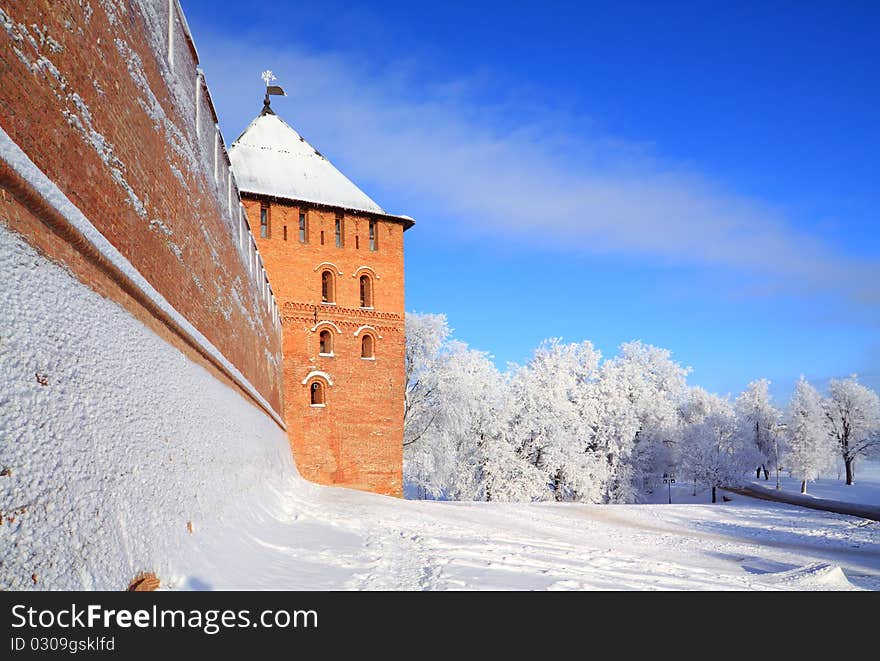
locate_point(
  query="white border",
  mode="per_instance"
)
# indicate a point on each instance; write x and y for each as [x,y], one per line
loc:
[367,327]
[365,268]
[318,373]
[329,323]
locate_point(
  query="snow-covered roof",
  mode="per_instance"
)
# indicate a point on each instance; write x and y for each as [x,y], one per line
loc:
[271,158]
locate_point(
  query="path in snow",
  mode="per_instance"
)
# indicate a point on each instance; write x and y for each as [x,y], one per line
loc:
[871,512]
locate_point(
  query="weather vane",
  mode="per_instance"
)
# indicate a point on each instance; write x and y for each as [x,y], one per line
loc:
[268,77]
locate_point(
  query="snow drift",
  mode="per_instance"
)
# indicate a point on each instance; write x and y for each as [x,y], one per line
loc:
[114,444]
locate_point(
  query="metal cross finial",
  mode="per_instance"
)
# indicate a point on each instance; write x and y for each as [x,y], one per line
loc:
[267,76]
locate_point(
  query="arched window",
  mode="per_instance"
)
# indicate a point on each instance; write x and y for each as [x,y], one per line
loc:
[325,343]
[316,393]
[366,292]
[327,293]
[367,346]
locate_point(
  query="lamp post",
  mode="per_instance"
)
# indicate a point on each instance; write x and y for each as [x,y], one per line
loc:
[669,480]
[777,430]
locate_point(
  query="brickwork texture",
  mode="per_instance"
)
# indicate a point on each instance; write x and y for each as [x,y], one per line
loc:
[355,439]
[107,100]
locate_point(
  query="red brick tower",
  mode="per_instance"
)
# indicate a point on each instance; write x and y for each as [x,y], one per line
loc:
[335,262]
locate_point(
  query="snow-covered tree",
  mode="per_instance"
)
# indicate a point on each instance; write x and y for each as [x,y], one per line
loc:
[472,391]
[550,418]
[567,426]
[506,474]
[425,335]
[809,446]
[693,410]
[713,452]
[757,421]
[636,399]
[853,415]
[454,415]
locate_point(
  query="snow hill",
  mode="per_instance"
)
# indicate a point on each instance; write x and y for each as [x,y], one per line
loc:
[115,446]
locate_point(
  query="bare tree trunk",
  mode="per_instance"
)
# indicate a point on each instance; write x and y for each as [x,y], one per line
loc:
[850,472]
[766,472]
[557,487]
[758,473]
[803,486]
[714,498]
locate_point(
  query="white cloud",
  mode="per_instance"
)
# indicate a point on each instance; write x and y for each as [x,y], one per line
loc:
[431,145]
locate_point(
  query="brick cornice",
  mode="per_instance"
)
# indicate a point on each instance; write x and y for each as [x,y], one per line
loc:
[308,321]
[335,312]
[406,221]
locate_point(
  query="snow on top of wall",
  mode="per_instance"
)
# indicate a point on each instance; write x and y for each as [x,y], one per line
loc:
[12,154]
[271,158]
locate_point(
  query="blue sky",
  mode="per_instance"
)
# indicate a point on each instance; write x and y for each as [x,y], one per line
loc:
[699,177]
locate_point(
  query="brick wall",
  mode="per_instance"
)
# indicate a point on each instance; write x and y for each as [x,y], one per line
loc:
[356,439]
[106,99]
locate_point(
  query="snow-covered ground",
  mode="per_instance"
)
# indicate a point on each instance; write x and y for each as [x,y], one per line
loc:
[832,484]
[311,537]
[112,443]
